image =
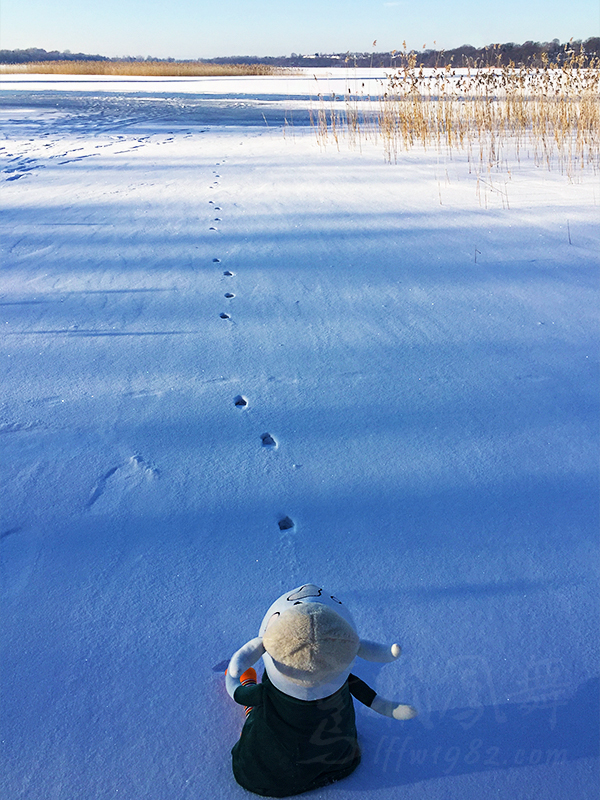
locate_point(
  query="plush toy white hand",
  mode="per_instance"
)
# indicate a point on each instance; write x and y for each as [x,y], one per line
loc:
[245,657]
[390,708]
[382,653]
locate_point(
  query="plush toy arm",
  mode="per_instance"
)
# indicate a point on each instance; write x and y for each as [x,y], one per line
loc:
[245,657]
[231,684]
[390,708]
[371,651]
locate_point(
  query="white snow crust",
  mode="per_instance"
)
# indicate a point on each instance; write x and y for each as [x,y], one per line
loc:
[419,365]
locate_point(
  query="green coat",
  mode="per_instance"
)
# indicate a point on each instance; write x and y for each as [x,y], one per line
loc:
[288,746]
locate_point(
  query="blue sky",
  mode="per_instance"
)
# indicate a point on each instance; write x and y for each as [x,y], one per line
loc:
[203,28]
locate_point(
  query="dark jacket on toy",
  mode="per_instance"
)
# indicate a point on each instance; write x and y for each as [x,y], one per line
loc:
[289,746]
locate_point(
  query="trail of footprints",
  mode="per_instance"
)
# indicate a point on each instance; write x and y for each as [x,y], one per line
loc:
[38,153]
[216,209]
[268,441]
[136,469]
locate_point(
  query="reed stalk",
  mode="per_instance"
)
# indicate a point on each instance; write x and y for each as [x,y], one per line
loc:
[494,113]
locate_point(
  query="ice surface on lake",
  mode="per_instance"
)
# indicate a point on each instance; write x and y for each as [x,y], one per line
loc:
[209,328]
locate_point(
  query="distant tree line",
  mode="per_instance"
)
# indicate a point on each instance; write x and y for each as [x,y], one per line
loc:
[37,54]
[526,54]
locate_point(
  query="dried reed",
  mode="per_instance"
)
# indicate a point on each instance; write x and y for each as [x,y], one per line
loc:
[141,68]
[495,114]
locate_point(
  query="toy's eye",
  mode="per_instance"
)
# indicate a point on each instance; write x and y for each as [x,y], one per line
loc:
[308,590]
[276,614]
[298,603]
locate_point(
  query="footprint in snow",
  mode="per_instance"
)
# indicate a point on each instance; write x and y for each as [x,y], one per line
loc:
[229,295]
[17,427]
[99,488]
[132,473]
[286,524]
[216,260]
[240,401]
[223,315]
[212,228]
[228,274]
[268,441]
[9,532]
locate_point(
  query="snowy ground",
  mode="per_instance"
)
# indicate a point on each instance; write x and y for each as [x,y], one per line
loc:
[426,360]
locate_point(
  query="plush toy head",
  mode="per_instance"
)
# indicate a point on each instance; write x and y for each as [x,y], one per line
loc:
[311,641]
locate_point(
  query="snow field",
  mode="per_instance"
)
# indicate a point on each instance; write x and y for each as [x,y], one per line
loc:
[428,373]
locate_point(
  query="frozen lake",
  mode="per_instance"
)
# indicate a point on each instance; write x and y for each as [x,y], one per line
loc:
[419,342]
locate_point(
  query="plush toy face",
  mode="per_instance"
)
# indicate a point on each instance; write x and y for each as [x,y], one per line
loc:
[308,593]
[310,641]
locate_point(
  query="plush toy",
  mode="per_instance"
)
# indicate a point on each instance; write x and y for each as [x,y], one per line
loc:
[300,731]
